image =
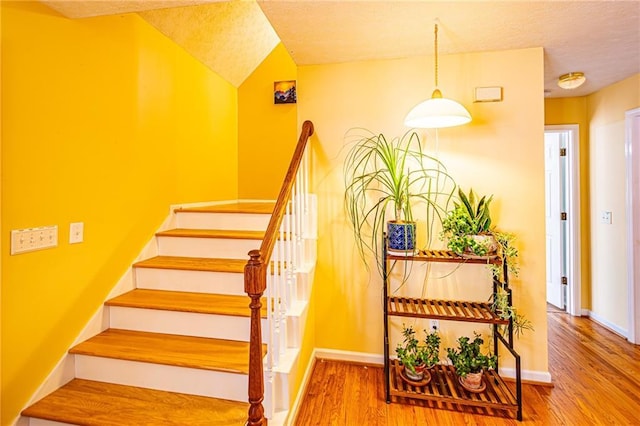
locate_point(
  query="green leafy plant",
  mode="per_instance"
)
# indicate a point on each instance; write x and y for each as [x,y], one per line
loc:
[500,305]
[469,217]
[389,179]
[412,354]
[468,357]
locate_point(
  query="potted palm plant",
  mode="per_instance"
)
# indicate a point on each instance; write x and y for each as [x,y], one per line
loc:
[470,362]
[385,181]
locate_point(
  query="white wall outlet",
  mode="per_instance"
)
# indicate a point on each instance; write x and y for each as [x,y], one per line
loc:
[605,217]
[32,239]
[76,232]
[434,325]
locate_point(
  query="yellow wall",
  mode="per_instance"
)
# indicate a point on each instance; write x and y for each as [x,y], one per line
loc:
[606,116]
[500,152]
[267,133]
[107,122]
[574,111]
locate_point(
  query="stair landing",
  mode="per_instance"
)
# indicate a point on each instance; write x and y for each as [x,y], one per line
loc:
[85,402]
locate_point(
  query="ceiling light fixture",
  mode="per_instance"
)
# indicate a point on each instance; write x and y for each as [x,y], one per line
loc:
[437,112]
[571,80]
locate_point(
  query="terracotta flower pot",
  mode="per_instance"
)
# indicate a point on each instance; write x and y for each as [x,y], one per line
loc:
[419,374]
[472,381]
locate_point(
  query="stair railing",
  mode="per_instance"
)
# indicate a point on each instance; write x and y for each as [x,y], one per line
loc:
[273,271]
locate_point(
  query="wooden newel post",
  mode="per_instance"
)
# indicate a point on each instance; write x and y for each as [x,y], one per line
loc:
[255,285]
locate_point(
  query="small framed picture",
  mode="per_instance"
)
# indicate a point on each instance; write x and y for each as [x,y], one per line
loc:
[284,92]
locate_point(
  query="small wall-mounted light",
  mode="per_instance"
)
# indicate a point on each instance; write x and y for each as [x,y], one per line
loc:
[571,80]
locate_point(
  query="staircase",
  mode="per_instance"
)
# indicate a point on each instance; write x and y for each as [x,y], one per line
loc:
[176,351]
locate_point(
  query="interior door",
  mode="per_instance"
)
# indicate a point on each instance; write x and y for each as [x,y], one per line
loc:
[553,203]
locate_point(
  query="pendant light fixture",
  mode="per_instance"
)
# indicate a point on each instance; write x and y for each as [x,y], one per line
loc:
[437,112]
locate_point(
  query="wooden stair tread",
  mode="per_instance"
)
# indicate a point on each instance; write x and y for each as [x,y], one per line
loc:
[169,349]
[179,301]
[93,403]
[242,207]
[194,264]
[213,233]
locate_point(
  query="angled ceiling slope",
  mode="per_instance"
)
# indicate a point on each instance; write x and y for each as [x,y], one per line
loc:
[231,38]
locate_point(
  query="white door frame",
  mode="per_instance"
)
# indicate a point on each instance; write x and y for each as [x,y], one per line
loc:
[632,156]
[574,253]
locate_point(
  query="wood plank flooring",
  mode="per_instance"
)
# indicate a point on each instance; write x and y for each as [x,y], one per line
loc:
[596,376]
[85,402]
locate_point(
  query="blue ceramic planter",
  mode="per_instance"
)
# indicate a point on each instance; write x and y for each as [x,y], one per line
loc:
[402,235]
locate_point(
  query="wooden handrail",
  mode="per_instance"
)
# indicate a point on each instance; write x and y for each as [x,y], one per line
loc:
[255,281]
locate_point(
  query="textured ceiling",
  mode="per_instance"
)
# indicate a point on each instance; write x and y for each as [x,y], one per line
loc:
[232,38]
[600,38]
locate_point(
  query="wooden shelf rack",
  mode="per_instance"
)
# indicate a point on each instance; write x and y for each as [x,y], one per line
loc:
[444,387]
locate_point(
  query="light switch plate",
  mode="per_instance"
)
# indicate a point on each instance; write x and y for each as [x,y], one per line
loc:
[32,239]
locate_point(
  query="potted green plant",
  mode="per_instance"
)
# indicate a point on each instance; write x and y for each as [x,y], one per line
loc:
[385,181]
[470,362]
[500,305]
[416,358]
[468,233]
[467,228]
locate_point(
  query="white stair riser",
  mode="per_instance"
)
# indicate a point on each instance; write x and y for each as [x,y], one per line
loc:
[223,248]
[284,380]
[217,384]
[41,422]
[225,327]
[190,281]
[248,222]
[295,327]
[304,282]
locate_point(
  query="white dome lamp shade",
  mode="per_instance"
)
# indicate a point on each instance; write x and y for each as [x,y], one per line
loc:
[437,112]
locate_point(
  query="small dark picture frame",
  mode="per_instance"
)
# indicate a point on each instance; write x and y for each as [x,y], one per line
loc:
[284,92]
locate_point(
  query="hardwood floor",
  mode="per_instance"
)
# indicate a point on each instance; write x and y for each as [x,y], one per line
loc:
[596,376]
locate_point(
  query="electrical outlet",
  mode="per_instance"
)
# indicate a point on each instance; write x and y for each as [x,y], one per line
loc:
[434,325]
[31,239]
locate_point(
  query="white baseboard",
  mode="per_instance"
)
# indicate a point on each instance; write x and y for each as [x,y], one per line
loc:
[377,359]
[528,375]
[608,324]
[362,357]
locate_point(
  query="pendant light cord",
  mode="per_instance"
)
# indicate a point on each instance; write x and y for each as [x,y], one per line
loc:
[435,42]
